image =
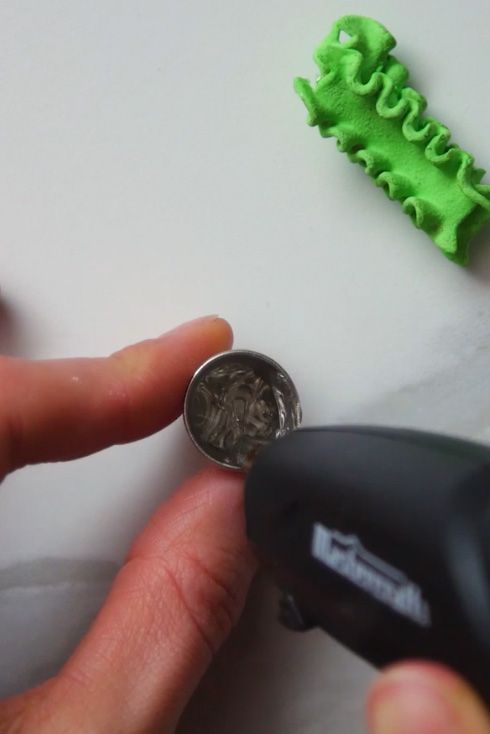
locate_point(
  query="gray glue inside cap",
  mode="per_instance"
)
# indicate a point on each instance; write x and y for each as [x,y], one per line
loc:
[236,403]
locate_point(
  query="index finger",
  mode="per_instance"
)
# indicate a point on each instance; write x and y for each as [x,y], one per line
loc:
[64,409]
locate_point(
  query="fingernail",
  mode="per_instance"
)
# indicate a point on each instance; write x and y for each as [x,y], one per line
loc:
[412,708]
[192,324]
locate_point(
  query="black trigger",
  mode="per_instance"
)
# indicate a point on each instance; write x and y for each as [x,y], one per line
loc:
[291,616]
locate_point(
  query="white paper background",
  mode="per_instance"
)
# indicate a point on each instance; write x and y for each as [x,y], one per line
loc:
[156,165]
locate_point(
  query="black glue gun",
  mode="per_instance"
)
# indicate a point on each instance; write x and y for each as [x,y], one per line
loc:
[382,538]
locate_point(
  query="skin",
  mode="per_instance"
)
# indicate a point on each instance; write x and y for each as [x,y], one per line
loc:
[183,584]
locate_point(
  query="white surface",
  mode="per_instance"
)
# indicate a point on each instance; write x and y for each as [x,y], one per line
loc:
[156,165]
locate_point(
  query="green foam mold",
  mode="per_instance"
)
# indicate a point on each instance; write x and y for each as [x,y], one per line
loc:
[362,99]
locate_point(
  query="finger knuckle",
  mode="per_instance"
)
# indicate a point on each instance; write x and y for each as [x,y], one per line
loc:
[210,595]
[119,402]
[205,600]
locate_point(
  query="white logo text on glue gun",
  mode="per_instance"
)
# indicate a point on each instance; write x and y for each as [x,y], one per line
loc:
[345,555]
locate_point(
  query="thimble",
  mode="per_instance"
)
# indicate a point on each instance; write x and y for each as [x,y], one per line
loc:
[236,403]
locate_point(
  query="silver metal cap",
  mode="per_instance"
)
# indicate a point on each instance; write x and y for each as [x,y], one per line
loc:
[236,403]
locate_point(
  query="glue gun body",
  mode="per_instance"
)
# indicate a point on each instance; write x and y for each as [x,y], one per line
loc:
[382,538]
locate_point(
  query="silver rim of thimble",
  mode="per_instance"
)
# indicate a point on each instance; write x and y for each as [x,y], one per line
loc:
[268,406]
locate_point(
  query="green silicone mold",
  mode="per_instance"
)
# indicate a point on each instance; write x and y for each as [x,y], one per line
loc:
[361,98]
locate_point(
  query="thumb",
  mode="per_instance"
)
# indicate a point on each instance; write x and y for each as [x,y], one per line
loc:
[171,606]
[424,698]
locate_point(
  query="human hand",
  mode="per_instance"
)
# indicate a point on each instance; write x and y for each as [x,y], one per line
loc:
[185,578]
[184,581]
[424,698]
